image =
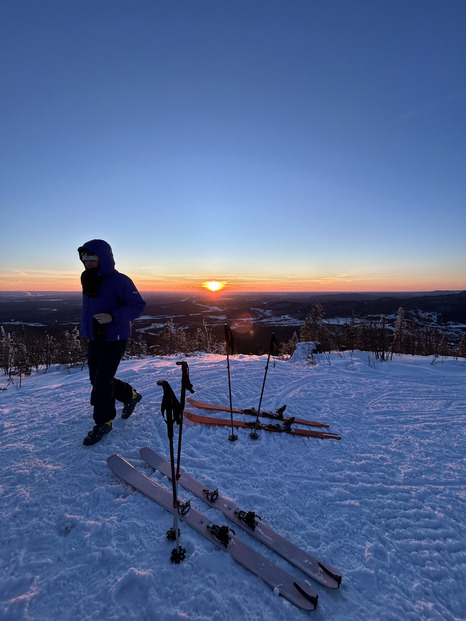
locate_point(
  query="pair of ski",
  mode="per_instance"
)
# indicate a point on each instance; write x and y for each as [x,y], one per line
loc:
[283,426]
[296,591]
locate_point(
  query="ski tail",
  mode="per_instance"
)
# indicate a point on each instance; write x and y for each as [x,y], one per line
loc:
[303,588]
[333,574]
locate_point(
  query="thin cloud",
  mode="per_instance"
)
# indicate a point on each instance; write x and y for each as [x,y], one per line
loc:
[429,106]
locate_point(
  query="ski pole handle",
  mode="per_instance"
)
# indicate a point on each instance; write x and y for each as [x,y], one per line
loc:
[273,344]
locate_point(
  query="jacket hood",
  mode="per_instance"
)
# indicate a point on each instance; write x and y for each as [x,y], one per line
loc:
[104,251]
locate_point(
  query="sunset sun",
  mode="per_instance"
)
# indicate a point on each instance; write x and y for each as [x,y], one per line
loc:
[214,285]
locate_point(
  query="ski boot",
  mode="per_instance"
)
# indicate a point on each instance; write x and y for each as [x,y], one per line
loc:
[97,433]
[128,408]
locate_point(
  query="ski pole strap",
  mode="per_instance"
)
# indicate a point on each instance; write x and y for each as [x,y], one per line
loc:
[170,405]
[229,340]
[185,381]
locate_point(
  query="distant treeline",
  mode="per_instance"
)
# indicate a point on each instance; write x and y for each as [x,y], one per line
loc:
[415,333]
[23,349]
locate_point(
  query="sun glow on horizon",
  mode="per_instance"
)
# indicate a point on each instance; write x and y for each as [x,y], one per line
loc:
[214,285]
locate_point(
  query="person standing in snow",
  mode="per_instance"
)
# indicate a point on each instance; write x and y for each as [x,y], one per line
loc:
[110,302]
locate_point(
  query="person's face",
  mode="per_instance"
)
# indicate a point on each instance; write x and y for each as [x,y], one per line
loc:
[89,265]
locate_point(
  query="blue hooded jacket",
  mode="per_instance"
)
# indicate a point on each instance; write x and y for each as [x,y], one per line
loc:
[117,295]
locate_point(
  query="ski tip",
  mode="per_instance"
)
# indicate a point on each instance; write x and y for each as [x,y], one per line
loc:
[116,463]
[195,419]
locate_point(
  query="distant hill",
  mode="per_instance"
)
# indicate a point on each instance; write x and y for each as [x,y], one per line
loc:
[447,306]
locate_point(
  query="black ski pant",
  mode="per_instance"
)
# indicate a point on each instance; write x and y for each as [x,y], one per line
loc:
[103,358]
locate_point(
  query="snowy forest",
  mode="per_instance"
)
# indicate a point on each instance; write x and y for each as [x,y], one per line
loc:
[22,351]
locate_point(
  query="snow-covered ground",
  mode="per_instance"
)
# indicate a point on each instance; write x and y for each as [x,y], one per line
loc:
[386,505]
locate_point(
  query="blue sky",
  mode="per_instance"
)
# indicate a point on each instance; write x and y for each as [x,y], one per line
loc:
[270,144]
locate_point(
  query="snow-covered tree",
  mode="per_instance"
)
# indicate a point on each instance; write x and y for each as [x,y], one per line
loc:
[7,348]
[399,332]
[287,348]
[204,340]
[167,343]
[315,328]
[462,346]
[352,334]
[71,352]
[137,347]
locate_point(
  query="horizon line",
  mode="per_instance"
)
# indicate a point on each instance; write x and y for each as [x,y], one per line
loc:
[222,292]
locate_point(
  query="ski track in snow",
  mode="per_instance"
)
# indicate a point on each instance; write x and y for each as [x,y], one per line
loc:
[385,505]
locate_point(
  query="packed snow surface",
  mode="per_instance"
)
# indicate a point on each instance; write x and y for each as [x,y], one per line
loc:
[385,505]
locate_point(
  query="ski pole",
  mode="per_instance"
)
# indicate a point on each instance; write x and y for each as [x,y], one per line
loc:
[230,347]
[273,344]
[185,385]
[171,406]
